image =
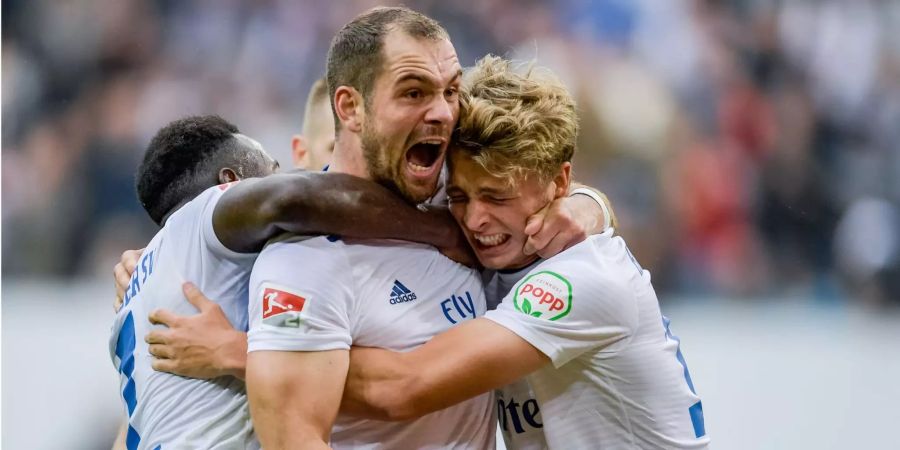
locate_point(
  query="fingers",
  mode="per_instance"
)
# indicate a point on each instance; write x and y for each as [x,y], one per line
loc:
[164,365]
[556,245]
[164,317]
[130,260]
[535,222]
[121,279]
[196,298]
[161,351]
[158,336]
[533,227]
[122,274]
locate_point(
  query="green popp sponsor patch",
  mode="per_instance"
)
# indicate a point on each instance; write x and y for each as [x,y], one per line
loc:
[547,295]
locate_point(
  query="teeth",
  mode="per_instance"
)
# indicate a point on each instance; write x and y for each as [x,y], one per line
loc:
[491,240]
[417,168]
[432,142]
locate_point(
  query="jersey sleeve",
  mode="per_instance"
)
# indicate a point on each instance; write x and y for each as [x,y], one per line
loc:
[565,309]
[208,232]
[301,295]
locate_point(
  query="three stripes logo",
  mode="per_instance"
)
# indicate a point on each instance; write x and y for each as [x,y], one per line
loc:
[401,293]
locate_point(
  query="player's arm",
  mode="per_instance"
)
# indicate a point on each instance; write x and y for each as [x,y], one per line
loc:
[568,220]
[298,342]
[468,360]
[294,396]
[255,210]
[506,344]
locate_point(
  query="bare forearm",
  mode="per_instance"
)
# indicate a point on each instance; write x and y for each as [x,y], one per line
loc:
[234,356]
[319,203]
[350,206]
[376,385]
[452,367]
[278,430]
[294,396]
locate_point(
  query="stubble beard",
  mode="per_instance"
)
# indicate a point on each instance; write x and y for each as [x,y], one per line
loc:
[378,164]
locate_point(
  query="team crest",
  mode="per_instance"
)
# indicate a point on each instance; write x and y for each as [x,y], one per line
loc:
[546,295]
[282,308]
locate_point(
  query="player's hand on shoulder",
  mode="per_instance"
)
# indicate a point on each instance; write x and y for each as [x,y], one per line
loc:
[556,227]
[122,274]
[204,345]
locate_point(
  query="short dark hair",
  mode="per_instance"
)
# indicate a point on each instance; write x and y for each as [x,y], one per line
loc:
[356,57]
[182,160]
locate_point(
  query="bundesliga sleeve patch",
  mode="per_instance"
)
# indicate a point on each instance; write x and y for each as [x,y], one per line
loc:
[281,308]
[546,295]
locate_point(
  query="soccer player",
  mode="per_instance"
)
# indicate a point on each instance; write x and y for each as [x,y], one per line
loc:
[312,149]
[393,78]
[210,234]
[584,325]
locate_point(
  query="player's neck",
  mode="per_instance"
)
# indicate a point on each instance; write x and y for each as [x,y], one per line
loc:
[348,156]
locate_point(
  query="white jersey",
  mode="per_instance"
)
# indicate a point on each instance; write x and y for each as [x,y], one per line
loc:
[617,378]
[168,411]
[518,412]
[326,293]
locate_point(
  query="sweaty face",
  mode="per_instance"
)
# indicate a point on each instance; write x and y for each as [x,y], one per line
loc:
[492,213]
[411,114]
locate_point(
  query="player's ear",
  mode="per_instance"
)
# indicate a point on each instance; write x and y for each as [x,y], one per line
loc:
[299,151]
[349,107]
[227,175]
[562,180]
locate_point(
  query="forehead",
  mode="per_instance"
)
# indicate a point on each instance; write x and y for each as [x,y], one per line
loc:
[404,54]
[468,175]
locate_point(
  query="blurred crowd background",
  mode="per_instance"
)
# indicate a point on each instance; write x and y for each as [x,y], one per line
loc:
[751,148]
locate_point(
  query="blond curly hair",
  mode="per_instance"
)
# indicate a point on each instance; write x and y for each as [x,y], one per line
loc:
[516,120]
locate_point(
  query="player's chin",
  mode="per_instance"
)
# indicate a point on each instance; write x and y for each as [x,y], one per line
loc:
[419,190]
[503,256]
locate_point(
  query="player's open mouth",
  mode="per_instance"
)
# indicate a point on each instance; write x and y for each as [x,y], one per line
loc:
[489,241]
[424,157]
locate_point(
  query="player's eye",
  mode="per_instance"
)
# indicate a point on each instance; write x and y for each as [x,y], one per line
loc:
[452,92]
[413,94]
[456,199]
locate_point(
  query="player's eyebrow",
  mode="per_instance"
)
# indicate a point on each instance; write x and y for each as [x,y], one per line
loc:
[414,77]
[456,77]
[494,191]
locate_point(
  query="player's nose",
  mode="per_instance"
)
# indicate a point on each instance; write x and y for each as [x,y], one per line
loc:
[440,112]
[476,217]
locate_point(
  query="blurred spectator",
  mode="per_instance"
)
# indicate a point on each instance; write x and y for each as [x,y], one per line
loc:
[750,147]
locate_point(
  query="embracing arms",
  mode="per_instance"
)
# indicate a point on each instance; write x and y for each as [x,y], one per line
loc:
[255,210]
[463,362]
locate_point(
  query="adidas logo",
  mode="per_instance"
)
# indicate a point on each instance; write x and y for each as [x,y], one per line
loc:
[401,294]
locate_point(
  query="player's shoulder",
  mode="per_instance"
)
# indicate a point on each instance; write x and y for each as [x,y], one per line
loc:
[593,264]
[197,205]
[296,246]
[396,251]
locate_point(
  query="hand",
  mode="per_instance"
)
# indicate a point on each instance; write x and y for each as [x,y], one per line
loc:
[563,223]
[203,346]
[122,274]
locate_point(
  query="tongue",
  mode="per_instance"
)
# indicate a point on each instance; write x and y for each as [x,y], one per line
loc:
[420,155]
